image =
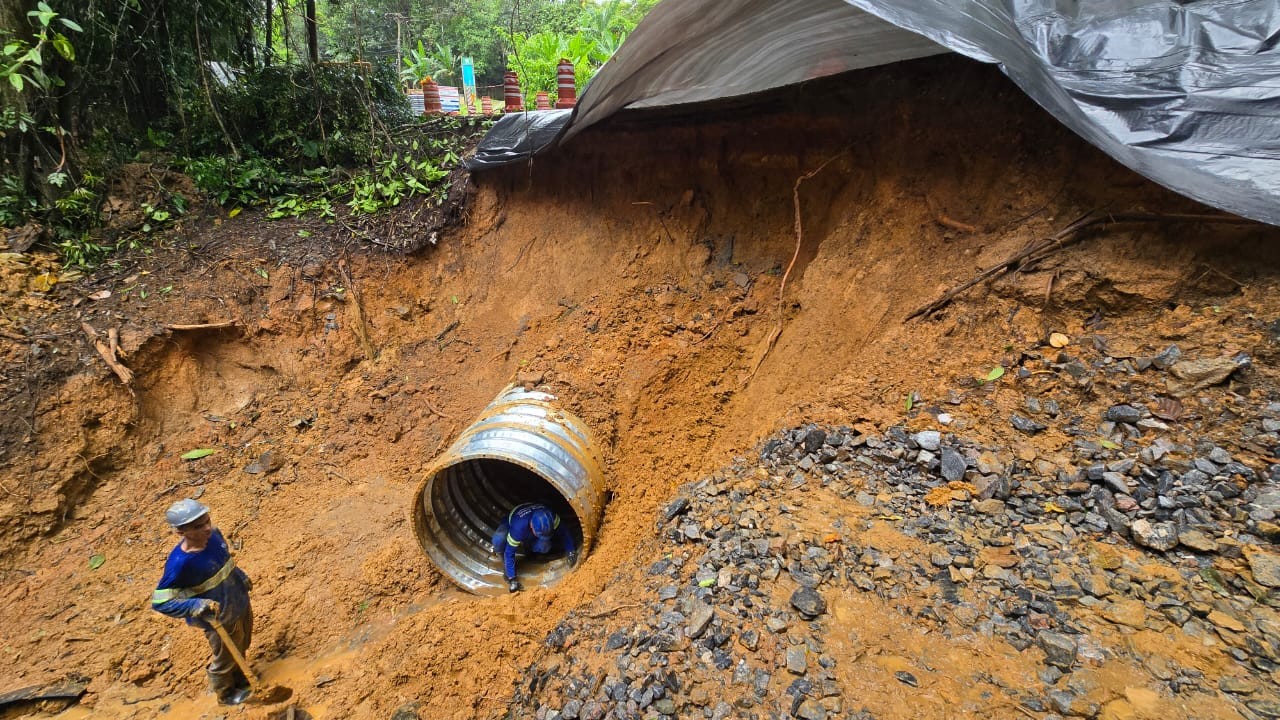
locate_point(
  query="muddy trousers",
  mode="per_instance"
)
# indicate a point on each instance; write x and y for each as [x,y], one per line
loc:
[224,673]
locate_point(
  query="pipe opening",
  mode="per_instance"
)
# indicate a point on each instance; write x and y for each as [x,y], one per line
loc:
[481,493]
[520,450]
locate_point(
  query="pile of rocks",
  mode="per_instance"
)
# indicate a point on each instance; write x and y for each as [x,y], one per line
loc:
[1011,544]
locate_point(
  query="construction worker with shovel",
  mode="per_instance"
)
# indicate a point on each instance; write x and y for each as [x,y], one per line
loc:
[202,584]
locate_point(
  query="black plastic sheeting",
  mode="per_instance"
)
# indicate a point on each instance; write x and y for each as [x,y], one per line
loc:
[1186,93]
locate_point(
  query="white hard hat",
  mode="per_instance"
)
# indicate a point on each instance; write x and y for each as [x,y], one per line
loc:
[185,512]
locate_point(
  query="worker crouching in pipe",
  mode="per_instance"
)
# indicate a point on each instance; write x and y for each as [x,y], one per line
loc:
[474,513]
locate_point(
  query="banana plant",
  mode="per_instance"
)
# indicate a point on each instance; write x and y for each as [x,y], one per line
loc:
[440,63]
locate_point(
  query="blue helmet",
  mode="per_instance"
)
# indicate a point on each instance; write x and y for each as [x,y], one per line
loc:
[542,521]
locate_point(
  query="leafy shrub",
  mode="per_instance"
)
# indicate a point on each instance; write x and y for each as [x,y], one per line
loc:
[302,116]
[231,182]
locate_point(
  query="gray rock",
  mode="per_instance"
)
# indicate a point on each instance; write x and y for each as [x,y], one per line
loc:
[699,619]
[267,463]
[1192,375]
[1026,425]
[1265,567]
[677,506]
[814,439]
[930,440]
[1166,359]
[808,602]
[1117,482]
[1160,536]
[593,710]
[1267,708]
[1059,649]
[1220,456]
[749,639]
[992,506]
[1237,685]
[992,486]
[811,710]
[797,663]
[1268,498]
[1124,413]
[953,465]
[407,711]
[1197,541]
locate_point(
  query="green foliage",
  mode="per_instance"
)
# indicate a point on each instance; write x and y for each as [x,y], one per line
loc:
[228,182]
[397,178]
[602,26]
[293,205]
[300,116]
[15,204]
[22,63]
[440,64]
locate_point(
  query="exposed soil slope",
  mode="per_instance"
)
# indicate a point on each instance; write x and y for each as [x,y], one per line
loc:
[637,275]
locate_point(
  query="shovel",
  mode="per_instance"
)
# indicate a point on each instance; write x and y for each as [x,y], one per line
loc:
[274,694]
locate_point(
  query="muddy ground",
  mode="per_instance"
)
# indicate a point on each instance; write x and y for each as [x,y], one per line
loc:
[639,276]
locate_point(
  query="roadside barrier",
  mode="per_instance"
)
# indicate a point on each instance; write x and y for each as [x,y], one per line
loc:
[511,92]
[430,97]
[566,85]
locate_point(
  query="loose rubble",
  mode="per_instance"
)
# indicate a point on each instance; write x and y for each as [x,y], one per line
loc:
[1138,526]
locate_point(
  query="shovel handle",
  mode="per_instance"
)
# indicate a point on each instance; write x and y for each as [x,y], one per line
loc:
[235,653]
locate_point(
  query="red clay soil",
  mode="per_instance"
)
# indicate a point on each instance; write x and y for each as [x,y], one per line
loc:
[637,275]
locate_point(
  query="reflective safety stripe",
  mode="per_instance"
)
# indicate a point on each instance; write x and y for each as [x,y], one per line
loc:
[164,595]
[511,516]
[512,541]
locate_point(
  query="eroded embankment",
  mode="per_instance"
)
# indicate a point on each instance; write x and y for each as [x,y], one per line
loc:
[637,275]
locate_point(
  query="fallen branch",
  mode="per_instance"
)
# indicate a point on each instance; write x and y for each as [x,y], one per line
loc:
[361,327]
[435,411]
[108,356]
[953,224]
[202,326]
[1073,232]
[612,610]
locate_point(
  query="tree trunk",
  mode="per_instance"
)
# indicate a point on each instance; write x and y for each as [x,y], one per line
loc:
[16,147]
[313,44]
[268,48]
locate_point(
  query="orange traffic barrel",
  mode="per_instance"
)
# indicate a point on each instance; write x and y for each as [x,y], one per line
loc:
[486,105]
[430,97]
[543,101]
[566,85]
[511,92]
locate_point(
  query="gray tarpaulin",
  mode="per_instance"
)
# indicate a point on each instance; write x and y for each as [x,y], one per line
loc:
[1186,93]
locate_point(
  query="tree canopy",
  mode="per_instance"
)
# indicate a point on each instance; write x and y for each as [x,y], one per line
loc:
[277,86]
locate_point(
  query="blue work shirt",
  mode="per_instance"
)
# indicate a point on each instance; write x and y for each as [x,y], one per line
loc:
[189,569]
[519,536]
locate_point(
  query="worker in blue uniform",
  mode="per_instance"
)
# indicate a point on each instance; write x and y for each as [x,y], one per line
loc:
[201,583]
[530,527]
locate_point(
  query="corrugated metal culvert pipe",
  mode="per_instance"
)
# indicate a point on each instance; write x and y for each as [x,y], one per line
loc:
[521,449]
